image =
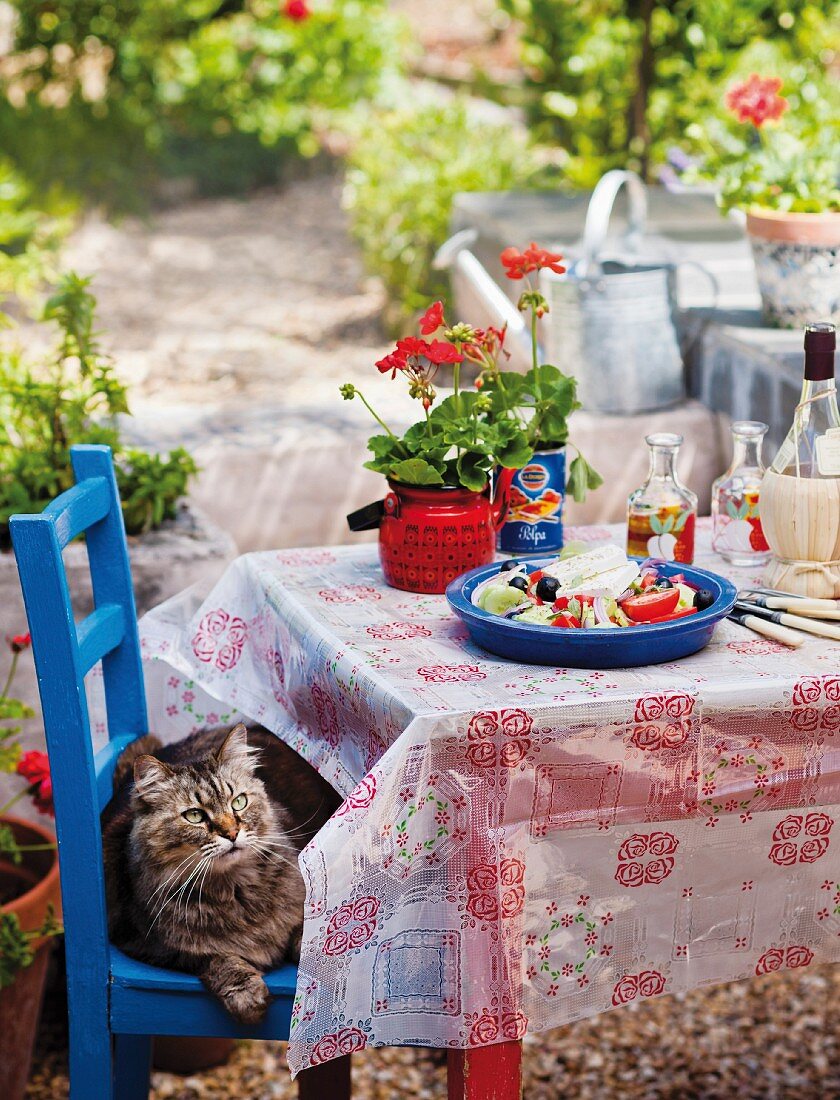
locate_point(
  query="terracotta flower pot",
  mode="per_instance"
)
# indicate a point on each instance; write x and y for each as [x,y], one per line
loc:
[31,887]
[797,262]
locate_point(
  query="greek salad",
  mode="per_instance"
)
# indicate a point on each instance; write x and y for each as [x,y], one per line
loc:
[584,589]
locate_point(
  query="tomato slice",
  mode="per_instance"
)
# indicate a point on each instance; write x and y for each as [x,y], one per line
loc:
[648,580]
[535,577]
[561,603]
[681,614]
[650,605]
[565,619]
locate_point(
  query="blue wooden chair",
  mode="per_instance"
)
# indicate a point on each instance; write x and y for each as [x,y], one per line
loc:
[116,1004]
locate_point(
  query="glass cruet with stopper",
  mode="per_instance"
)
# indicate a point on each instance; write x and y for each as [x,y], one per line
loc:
[737,534]
[661,514]
[800,493]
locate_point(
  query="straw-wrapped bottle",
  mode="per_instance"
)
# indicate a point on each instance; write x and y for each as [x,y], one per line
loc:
[800,493]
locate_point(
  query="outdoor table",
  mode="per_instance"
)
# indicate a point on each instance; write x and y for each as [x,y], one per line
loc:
[519,846]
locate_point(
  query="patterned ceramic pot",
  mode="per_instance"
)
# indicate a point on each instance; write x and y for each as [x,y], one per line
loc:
[797,262]
[429,536]
[534,521]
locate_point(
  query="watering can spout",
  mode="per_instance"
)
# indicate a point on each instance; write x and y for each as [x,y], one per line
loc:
[500,494]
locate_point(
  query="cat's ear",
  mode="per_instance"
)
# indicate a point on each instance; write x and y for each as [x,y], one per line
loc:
[235,748]
[151,777]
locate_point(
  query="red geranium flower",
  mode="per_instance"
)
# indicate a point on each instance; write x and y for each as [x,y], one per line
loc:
[432,319]
[35,769]
[298,10]
[19,642]
[440,352]
[519,264]
[756,100]
[413,345]
[392,362]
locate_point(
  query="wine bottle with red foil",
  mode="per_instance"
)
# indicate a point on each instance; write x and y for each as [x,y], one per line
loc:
[800,493]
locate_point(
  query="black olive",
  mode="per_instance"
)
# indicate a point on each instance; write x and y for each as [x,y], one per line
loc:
[547,589]
[506,565]
[519,582]
[703,598]
[663,582]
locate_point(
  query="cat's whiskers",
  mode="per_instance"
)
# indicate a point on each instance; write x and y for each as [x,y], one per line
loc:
[178,890]
[169,877]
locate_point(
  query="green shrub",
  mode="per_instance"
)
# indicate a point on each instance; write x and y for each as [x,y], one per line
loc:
[107,94]
[616,82]
[404,170]
[73,396]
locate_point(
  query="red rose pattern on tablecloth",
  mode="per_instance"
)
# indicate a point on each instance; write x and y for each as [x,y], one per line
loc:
[451,674]
[398,632]
[351,925]
[295,558]
[219,639]
[326,714]
[758,647]
[346,1041]
[360,797]
[800,838]
[815,705]
[784,958]
[662,720]
[513,727]
[646,860]
[648,983]
[496,892]
[349,593]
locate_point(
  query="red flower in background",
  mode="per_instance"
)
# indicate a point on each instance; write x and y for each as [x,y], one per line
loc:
[19,642]
[297,10]
[519,264]
[432,319]
[35,769]
[756,100]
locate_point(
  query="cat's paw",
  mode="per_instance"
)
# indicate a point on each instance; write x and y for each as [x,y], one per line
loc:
[248,1002]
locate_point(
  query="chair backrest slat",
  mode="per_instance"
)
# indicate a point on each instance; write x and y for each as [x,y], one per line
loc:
[99,634]
[63,654]
[79,508]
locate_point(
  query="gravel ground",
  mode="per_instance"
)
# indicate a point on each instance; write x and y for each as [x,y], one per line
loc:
[772,1038]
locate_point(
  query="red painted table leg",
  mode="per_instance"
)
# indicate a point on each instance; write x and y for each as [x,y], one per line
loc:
[486,1073]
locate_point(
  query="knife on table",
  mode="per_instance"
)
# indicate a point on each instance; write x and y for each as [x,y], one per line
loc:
[792,638]
[783,618]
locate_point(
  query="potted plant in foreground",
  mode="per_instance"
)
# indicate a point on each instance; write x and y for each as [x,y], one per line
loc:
[29,895]
[783,173]
[449,475]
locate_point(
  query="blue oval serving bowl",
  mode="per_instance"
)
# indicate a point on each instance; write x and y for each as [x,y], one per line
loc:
[623,647]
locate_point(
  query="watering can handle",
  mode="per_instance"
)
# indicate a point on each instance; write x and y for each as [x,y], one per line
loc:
[599,212]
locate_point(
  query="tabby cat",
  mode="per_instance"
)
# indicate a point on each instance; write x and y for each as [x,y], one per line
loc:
[200,844]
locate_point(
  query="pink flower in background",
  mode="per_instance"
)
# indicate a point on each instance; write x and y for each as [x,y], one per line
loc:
[756,100]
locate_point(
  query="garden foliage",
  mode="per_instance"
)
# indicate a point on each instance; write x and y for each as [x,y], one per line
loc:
[616,82]
[106,94]
[404,170]
[70,396]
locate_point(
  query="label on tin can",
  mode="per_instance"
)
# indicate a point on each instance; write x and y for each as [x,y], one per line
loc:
[535,516]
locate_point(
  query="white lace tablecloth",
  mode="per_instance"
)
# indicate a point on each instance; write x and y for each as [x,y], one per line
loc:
[519,846]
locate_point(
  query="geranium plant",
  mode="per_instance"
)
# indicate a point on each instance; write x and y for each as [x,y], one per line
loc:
[460,439]
[544,397]
[502,424]
[16,945]
[770,155]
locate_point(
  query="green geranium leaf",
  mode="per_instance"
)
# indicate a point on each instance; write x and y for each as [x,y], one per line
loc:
[581,478]
[416,471]
[472,470]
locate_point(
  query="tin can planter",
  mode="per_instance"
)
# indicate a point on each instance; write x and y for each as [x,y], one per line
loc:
[797,263]
[428,536]
[535,510]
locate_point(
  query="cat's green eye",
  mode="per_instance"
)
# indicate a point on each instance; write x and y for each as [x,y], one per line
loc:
[240,802]
[195,817]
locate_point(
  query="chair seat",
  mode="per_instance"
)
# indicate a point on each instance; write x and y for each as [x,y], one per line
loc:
[148,1000]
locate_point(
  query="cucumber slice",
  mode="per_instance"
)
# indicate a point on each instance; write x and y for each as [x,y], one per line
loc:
[501,598]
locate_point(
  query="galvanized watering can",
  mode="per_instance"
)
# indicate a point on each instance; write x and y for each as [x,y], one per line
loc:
[612,321]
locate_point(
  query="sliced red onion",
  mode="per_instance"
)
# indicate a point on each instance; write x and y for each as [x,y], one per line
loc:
[516,610]
[602,617]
